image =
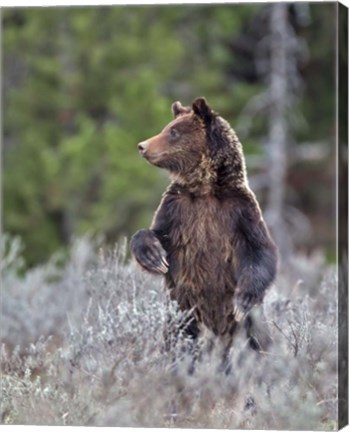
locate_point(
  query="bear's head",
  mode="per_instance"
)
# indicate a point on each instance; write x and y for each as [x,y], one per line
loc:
[197,144]
[181,145]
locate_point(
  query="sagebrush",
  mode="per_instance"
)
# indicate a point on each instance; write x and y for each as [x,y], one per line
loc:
[82,344]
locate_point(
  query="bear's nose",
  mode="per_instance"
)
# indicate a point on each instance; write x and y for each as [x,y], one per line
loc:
[142,147]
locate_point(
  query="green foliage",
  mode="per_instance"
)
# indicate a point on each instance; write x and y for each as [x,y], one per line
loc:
[318,104]
[80,97]
[82,86]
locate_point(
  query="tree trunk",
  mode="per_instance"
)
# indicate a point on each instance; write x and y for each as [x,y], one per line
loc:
[278,130]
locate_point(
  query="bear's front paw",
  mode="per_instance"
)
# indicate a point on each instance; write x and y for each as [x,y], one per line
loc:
[243,302]
[148,252]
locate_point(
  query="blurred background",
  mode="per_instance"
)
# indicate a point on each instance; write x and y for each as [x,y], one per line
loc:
[82,86]
[82,327]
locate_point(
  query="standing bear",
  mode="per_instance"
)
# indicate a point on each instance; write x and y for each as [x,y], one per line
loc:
[208,237]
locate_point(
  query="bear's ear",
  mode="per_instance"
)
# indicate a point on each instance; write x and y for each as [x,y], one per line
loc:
[202,110]
[178,109]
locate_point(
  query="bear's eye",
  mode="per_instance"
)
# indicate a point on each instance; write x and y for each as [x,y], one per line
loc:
[174,133]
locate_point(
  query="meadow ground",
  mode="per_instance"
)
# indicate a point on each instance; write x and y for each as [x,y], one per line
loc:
[82,344]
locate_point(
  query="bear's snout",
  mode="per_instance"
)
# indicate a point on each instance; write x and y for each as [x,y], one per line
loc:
[142,147]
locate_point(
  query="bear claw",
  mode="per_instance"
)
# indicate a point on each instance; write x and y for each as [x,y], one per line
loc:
[243,303]
[149,252]
[239,315]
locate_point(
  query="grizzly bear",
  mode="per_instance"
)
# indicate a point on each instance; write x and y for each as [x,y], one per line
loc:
[208,237]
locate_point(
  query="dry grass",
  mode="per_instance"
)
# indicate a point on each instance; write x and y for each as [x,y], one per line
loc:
[82,344]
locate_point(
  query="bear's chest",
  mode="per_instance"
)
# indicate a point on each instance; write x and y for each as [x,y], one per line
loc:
[201,220]
[201,238]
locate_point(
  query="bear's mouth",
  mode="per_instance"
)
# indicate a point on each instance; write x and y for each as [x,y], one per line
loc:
[152,157]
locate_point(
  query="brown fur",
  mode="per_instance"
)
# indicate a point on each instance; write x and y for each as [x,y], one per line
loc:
[208,236]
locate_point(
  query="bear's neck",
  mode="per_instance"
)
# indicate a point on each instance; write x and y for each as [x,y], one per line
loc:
[223,172]
[221,169]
